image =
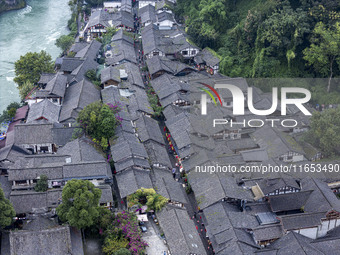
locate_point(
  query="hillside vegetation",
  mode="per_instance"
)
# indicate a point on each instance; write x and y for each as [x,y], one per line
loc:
[270,38]
[11,5]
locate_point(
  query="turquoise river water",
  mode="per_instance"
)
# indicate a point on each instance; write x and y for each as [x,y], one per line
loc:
[33,28]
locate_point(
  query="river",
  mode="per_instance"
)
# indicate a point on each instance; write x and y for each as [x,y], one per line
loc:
[33,28]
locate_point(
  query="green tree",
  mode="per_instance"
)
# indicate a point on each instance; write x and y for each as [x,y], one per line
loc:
[110,31]
[30,66]
[10,112]
[122,251]
[324,131]
[324,52]
[156,202]
[80,201]
[99,120]
[147,197]
[26,88]
[64,42]
[42,184]
[92,75]
[105,217]
[113,245]
[95,3]
[6,211]
[154,102]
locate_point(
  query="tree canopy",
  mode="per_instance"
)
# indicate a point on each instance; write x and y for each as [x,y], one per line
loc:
[324,52]
[99,121]
[42,184]
[80,201]
[64,42]
[7,212]
[324,131]
[30,66]
[9,112]
[268,39]
[147,197]
[25,89]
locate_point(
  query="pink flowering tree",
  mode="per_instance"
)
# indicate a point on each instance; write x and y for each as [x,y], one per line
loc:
[125,227]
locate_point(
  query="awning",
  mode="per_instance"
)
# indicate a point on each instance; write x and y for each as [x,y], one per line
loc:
[142,217]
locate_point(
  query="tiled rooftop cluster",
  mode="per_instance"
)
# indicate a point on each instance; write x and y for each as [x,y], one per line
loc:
[245,213]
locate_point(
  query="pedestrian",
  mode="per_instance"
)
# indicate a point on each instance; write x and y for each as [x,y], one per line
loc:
[174,172]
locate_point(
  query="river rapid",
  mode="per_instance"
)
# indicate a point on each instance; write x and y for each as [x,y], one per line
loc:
[33,28]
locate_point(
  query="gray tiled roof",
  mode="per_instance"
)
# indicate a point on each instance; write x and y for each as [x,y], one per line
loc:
[134,74]
[90,170]
[148,129]
[241,144]
[90,51]
[289,201]
[78,74]
[52,172]
[274,142]
[179,127]
[166,85]
[122,18]
[32,133]
[131,180]
[69,64]
[81,150]
[55,87]
[99,17]
[186,240]
[166,186]
[265,233]
[157,63]
[163,16]
[127,146]
[140,163]
[226,238]
[24,201]
[44,109]
[12,153]
[122,35]
[125,126]
[45,78]
[110,73]
[150,44]
[296,244]
[106,194]
[147,14]
[322,198]
[166,41]
[122,51]
[254,155]
[197,159]
[53,240]
[271,185]
[206,57]
[62,135]
[78,96]
[210,188]
[301,220]
[77,46]
[158,154]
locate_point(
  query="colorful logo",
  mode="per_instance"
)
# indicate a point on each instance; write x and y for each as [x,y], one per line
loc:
[209,93]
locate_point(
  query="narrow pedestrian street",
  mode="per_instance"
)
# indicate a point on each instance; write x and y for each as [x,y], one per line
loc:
[191,206]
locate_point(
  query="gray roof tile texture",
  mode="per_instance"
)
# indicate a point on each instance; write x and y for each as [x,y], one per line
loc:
[186,240]
[78,96]
[44,109]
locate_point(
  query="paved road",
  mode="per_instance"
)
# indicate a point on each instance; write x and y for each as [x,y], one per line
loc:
[152,237]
